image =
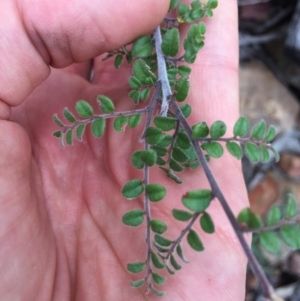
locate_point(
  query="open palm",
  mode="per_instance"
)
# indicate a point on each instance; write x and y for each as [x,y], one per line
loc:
[61,232]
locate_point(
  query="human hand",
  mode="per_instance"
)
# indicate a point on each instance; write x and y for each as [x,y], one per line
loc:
[60,209]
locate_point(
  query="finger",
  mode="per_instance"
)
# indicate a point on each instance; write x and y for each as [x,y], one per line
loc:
[35,34]
[81,69]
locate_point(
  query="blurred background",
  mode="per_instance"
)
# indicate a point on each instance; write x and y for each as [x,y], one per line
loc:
[269,33]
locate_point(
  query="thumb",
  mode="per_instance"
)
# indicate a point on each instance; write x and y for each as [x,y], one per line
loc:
[35,34]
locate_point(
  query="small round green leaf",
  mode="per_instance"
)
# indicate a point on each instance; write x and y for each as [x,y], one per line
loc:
[134,83]
[174,263]
[165,123]
[270,242]
[183,9]
[182,88]
[180,254]
[153,135]
[120,123]
[134,120]
[158,279]
[259,130]
[197,200]
[133,189]
[136,160]
[173,4]
[162,241]
[136,267]
[183,141]
[270,134]
[142,71]
[79,131]
[98,127]
[69,116]
[158,226]
[234,149]
[137,284]
[133,218]
[194,241]
[175,166]
[142,47]
[69,137]
[84,109]
[200,130]
[184,70]
[186,110]
[156,192]
[274,215]
[170,42]
[160,151]
[156,262]
[252,220]
[106,104]
[182,215]
[241,127]
[252,152]
[207,223]
[265,155]
[290,235]
[291,207]
[144,94]
[148,157]
[179,155]
[118,61]
[57,121]
[166,141]
[218,129]
[214,149]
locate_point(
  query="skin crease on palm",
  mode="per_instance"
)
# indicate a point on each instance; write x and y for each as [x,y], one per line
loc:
[61,236]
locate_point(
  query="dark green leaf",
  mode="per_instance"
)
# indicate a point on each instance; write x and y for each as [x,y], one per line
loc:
[156,192]
[184,70]
[142,47]
[179,155]
[208,13]
[174,263]
[166,141]
[252,152]
[79,131]
[212,4]
[69,137]
[148,157]
[98,127]
[165,123]
[182,88]
[252,220]
[200,130]
[259,130]
[133,189]
[135,96]
[160,151]
[134,120]
[270,242]
[170,43]
[180,254]
[291,235]
[241,127]
[158,226]
[183,141]
[118,61]
[183,9]
[84,109]
[144,94]
[274,215]
[137,284]
[160,161]
[182,215]
[57,134]
[270,134]
[214,149]
[69,116]
[134,83]
[158,279]
[135,267]
[153,135]
[197,200]
[291,206]
[106,105]
[265,156]
[162,241]
[218,129]
[57,121]
[234,149]
[197,14]
[136,160]
[133,218]
[194,241]
[156,262]
[142,71]
[207,223]
[186,110]
[175,166]
[173,4]
[120,123]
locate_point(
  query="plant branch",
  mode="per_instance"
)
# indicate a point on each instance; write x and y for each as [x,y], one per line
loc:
[258,271]
[162,73]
